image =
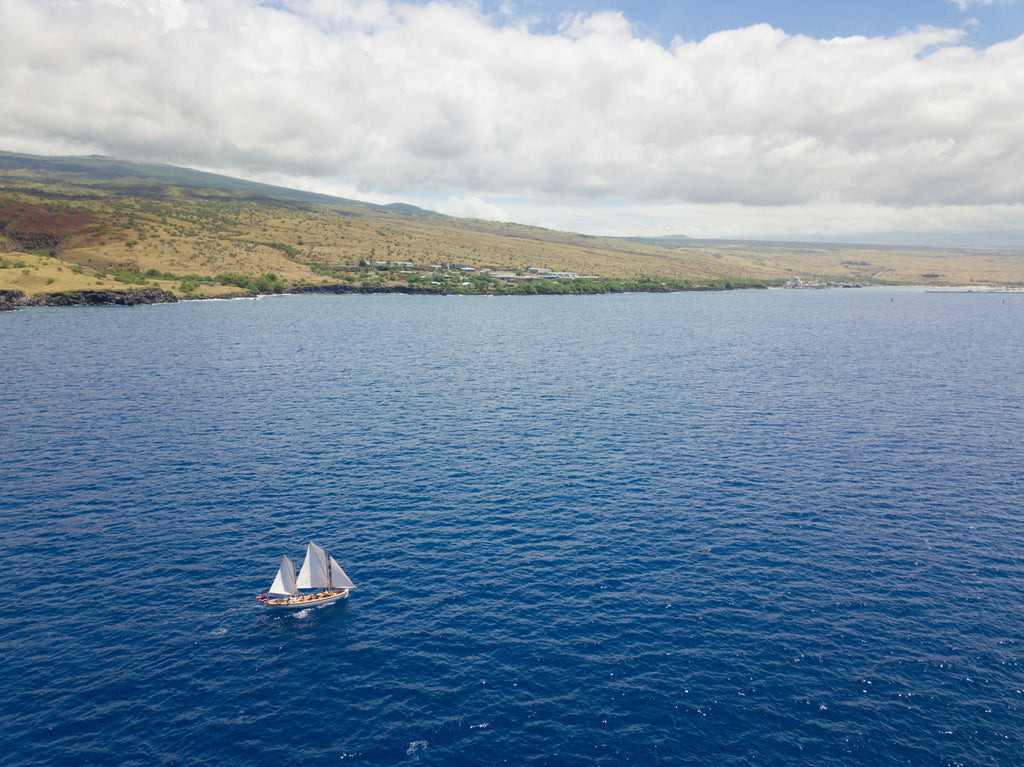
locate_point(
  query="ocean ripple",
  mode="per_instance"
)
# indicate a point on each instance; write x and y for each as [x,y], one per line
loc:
[772,527]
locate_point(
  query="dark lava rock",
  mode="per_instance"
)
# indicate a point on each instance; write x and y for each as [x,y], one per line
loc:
[15,299]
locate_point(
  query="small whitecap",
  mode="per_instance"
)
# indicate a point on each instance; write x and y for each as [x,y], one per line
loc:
[415,747]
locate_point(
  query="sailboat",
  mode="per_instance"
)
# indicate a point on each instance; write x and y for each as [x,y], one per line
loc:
[319,571]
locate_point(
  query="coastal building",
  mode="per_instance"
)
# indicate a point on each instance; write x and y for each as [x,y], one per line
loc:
[560,275]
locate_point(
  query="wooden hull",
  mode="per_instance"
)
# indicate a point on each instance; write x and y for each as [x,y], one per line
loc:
[311,600]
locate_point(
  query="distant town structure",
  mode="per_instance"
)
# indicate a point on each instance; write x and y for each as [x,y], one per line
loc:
[506,273]
[796,282]
[560,275]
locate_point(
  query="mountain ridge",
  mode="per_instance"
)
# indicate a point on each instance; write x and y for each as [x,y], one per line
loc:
[78,222]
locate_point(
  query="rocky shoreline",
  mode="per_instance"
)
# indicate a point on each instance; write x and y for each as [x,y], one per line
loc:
[15,299]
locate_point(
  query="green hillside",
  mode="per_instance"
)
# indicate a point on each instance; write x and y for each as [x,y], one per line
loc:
[87,223]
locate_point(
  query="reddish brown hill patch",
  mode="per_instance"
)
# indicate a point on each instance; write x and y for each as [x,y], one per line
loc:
[40,226]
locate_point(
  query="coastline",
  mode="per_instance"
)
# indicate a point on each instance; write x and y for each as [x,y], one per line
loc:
[16,299]
[11,300]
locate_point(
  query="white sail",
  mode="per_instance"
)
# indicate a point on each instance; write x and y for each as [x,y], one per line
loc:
[338,578]
[313,574]
[284,583]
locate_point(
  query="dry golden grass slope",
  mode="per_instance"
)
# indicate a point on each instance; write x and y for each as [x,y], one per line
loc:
[66,223]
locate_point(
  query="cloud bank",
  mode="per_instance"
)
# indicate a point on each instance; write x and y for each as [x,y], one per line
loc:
[441,101]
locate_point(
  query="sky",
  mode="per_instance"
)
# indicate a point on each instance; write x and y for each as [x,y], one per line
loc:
[790,120]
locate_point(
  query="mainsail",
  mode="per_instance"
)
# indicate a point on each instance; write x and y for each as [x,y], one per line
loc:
[313,574]
[284,583]
[321,571]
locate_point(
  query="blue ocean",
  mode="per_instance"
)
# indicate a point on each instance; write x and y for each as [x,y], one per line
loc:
[734,528]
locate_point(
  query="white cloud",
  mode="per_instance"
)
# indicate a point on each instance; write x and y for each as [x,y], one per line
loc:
[966,5]
[439,100]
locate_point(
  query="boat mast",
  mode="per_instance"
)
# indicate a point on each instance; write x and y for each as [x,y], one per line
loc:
[327,564]
[294,596]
